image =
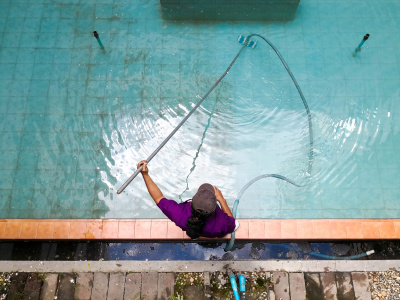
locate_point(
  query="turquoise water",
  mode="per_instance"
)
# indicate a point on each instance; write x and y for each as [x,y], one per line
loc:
[75,119]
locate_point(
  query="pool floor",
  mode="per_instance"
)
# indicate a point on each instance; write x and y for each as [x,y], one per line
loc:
[75,119]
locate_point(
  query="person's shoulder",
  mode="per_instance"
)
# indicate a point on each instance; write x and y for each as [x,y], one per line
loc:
[168,202]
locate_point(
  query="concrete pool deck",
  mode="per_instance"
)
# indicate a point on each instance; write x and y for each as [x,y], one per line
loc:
[163,229]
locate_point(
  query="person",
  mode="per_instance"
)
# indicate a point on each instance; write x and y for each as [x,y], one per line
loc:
[199,216]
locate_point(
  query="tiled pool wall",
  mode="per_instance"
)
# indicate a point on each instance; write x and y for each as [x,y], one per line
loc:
[49,62]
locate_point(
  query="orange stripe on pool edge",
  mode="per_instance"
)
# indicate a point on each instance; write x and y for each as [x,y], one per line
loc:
[78,229]
[159,229]
[305,229]
[371,229]
[61,229]
[321,229]
[338,229]
[110,229]
[386,229]
[126,229]
[289,229]
[29,229]
[163,229]
[273,229]
[354,229]
[13,229]
[256,229]
[2,229]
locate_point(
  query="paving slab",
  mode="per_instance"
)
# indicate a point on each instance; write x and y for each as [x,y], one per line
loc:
[361,286]
[281,285]
[344,286]
[166,282]
[100,286]
[328,283]
[116,286]
[84,285]
[133,282]
[313,286]
[32,287]
[16,290]
[149,285]
[297,286]
[66,287]
[49,287]
[193,292]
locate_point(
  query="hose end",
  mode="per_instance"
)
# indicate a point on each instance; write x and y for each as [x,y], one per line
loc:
[370,252]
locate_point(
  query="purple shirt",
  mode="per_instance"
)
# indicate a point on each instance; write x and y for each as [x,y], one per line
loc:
[217,225]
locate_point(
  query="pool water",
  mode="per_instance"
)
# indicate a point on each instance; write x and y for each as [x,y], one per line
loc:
[76,119]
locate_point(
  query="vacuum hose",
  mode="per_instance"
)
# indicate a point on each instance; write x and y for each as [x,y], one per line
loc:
[310,133]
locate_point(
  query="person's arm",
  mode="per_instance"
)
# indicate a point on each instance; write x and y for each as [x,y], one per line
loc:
[153,189]
[222,202]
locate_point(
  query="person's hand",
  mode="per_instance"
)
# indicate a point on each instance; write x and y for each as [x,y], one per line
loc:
[144,170]
[218,195]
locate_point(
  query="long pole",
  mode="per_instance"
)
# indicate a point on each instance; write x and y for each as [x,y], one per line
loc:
[122,188]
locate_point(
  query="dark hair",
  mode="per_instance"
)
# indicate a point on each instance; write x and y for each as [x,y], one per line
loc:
[196,222]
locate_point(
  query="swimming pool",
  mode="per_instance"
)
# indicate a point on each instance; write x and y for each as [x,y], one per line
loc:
[75,120]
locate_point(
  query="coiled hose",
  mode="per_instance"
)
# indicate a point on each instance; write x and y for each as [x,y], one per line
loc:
[310,132]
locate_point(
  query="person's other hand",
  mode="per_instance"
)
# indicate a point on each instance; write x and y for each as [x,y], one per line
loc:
[218,195]
[144,170]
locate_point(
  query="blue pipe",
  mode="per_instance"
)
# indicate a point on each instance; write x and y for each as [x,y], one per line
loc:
[96,35]
[358,49]
[234,286]
[310,132]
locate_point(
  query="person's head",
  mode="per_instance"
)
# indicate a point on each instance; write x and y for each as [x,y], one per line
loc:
[203,206]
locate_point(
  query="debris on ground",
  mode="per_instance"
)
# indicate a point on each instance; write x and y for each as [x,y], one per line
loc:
[384,285]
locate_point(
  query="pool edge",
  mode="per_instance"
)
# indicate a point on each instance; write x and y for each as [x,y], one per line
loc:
[163,229]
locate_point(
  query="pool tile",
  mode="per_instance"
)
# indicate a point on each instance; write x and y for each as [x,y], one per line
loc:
[321,229]
[289,229]
[13,229]
[142,229]
[174,232]
[305,229]
[243,231]
[78,229]
[3,224]
[386,229]
[370,229]
[272,229]
[159,229]
[94,229]
[354,229]
[396,224]
[45,230]
[126,229]
[110,229]
[256,229]
[61,229]
[29,229]
[337,229]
